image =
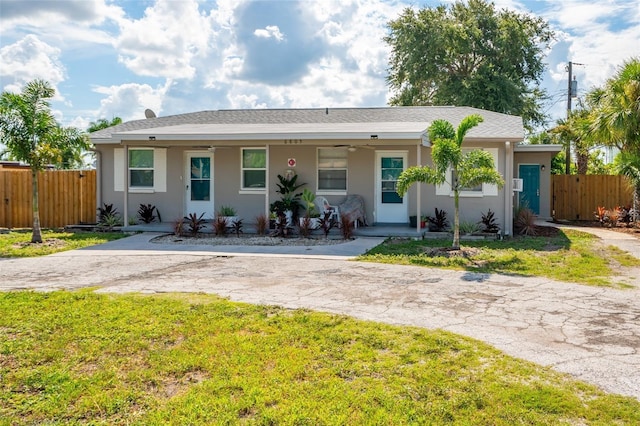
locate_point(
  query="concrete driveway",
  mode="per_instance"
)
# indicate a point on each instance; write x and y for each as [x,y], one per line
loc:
[591,333]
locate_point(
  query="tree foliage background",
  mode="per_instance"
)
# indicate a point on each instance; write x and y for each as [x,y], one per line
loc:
[469,54]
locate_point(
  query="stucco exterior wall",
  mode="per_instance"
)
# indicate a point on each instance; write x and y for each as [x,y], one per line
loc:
[471,207]
[539,159]
[361,180]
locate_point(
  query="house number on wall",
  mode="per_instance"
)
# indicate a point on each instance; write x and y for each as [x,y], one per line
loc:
[291,162]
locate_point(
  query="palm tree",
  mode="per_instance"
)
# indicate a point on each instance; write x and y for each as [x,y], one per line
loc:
[463,170]
[31,134]
[616,117]
[576,128]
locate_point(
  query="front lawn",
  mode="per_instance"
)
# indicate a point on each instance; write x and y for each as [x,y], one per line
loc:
[571,256]
[82,357]
[18,243]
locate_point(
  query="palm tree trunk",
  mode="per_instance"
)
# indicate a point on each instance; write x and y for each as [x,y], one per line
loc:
[36,235]
[456,221]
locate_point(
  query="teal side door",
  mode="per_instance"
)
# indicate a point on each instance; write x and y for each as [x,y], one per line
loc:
[530,195]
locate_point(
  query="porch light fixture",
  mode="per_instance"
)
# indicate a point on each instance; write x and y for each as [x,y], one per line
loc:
[542,167]
[374,136]
[152,138]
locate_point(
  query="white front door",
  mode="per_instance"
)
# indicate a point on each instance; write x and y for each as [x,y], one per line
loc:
[390,207]
[199,183]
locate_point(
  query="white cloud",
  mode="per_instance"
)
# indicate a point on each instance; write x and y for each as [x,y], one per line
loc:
[166,40]
[71,23]
[270,31]
[29,59]
[79,123]
[128,101]
[591,40]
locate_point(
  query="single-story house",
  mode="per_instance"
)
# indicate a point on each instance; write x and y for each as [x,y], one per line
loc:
[198,162]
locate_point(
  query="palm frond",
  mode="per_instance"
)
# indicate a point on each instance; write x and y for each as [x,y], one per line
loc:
[465,125]
[413,175]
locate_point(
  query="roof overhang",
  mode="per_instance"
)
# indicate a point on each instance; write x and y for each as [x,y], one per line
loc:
[273,132]
[552,148]
[409,131]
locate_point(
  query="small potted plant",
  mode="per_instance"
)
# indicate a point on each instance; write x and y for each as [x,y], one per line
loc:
[423,221]
[229,215]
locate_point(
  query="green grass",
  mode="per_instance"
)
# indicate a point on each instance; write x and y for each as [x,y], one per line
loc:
[18,243]
[572,256]
[82,357]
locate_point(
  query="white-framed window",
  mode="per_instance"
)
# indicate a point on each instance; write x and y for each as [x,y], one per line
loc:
[332,170]
[483,190]
[477,189]
[145,168]
[254,168]
[141,168]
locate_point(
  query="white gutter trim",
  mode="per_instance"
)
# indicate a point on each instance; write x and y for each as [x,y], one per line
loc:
[538,148]
[117,137]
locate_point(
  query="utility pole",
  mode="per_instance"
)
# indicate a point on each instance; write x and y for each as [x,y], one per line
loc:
[572,91]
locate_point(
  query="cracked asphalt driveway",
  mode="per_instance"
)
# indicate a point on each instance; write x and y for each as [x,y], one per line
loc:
[591,333]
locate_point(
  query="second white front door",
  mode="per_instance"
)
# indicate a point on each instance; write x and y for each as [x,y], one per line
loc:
[390,207]
[199,183]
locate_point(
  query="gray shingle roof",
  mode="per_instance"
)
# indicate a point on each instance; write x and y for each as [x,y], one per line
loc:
[495,125]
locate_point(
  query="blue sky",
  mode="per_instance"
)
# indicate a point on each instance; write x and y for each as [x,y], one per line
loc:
[111,58]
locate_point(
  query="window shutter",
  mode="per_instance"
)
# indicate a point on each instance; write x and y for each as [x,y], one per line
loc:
[118,169]
[160,169]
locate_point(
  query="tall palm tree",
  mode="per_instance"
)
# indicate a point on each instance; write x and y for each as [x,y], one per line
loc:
[451,165]
[576,129]
[31,134]
[616,117]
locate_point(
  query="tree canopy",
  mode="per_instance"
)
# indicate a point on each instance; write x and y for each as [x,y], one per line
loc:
[469,54]
[103,123]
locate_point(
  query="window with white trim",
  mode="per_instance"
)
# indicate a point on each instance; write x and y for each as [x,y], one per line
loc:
[332,169]
[477,188]
[141,168]
[146,169]
[254,168]
[483,190]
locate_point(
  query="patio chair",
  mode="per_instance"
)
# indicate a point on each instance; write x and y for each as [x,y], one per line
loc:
[323,206]
[352,208]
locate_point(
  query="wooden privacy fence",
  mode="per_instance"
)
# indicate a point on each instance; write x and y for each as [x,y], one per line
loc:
[577,197]
[66,197]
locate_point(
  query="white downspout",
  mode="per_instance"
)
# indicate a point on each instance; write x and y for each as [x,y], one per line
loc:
[126,184]
[508,189]
[266,186]
[419,189]
[98,179]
